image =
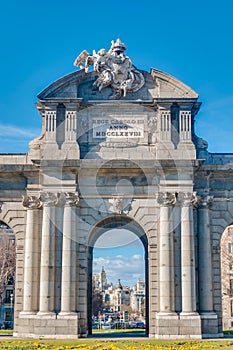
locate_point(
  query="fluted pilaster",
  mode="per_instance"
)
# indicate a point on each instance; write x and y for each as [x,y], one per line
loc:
[166,254]
[204,255]
[188,283]
[47,271]
[31,255]
[68,288]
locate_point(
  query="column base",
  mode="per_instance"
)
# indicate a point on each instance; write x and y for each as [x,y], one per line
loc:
[209,325]
[27,314]
[45,314]
[163,314]
[67,315]
[48,326]
[189,313]
[174,326]
[166,325]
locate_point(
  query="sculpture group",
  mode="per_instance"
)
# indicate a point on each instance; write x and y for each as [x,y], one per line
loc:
[114,69]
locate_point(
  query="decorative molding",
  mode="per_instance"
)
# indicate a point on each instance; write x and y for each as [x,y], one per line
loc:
[71,199]
[166,199]
[188,199]
[48,199]
[119,144]
[59,199]
[32,202]
[204,201]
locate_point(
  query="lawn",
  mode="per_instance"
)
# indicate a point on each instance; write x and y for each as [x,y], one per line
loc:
[95,344]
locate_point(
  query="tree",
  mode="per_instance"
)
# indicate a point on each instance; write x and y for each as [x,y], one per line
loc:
[7,256]
[227,272]
[97,301]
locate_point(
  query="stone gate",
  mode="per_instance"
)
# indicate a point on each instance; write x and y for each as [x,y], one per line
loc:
[100,127]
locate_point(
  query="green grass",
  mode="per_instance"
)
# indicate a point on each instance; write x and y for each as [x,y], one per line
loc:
[127,344]
[6,331]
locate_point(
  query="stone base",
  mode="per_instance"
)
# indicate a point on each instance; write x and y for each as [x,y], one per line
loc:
[209,325]
[227,323]
[173,326]
[48,326]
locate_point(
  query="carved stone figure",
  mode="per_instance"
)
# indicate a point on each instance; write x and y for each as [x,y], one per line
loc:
[118,203]
[114,69]
[152,128]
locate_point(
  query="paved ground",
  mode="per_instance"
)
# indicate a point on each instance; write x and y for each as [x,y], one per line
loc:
[112,334]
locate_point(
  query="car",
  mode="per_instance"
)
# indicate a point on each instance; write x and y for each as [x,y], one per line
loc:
[106,326]
[133,325]
[141,325]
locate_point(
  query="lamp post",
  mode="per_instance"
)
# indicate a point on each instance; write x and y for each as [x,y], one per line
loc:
[12,309]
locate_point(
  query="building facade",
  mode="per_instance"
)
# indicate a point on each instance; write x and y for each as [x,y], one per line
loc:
[227,278]
[118,149]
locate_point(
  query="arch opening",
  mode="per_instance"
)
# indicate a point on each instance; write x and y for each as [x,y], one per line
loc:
[7,276]
[118,250]
[226,257]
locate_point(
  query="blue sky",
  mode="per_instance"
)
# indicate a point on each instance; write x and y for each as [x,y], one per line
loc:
[122,255]
[190,40]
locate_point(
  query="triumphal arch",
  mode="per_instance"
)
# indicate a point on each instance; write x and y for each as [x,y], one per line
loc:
[118,149]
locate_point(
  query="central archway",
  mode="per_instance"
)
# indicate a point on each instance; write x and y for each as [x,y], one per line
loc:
[115,222]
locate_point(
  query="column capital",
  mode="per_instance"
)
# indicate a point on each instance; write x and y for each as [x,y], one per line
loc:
[48,199]
[187,199]
[71,199]
[204,201]
[32,202]
[166,199]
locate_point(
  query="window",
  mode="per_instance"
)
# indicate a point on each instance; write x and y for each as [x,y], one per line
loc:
[230,247]
[231,285]
[9,294]
[8,316]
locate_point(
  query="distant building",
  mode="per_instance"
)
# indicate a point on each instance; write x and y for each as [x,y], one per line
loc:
[96,281]
[7,267]
[103,280]
[117,296]
[138,296]
[227,277]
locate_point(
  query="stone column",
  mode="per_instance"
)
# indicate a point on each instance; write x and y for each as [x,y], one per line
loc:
[205,259]
[58,250]
[68,285]
[31,255]
[188,283]
[177,256]
[166,254]
[47,272]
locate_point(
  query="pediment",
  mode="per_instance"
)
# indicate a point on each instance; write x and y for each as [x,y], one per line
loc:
[79,85]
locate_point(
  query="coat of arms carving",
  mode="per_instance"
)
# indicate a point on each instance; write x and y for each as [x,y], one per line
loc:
[114,69]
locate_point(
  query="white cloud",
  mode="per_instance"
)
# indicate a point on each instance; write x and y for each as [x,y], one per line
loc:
[116,238]
[15,139]
[126,268]
[12,131]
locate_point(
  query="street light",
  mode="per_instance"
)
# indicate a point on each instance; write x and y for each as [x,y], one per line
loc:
[12,308]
